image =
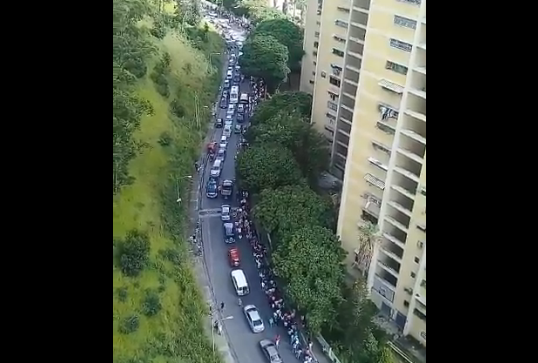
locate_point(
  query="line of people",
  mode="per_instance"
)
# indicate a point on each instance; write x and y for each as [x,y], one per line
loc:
[283,315]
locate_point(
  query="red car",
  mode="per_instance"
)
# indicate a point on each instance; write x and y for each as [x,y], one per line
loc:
[233,256]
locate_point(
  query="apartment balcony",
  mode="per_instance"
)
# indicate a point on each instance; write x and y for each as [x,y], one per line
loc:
[348,95]
[359,17]
[382,148]
[401,199]
[408,167]
[371,207]
[387,127]
[344,126]
[389,264]
[391,86]
[348,102]
[393,233]
[421,227]
[420,59]
[418,84]
[351,73]
[342,138]
[354,64]
[342,150]
[361,5]
[396,224]
[416,107]
[400,215]
[380,154]
[394,241]
[345,113]
[392,249]
[357,35]
[383,287]
[403,183]
[412,149]
[378,164]
[374,181]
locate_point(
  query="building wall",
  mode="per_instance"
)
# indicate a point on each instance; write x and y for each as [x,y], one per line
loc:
[311,35]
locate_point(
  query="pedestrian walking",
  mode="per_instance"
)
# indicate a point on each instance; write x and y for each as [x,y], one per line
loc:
[222,306]
[271,322]
[277,340]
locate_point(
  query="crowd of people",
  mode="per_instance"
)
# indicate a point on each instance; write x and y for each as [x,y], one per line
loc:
[282,314]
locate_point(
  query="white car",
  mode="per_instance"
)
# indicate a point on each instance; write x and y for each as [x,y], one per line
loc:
[229,120]
[254,320]
[225,213]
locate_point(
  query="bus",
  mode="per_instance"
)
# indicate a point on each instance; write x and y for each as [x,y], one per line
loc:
[234,94]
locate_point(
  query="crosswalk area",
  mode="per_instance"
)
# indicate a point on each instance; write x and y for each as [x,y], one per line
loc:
[213,212]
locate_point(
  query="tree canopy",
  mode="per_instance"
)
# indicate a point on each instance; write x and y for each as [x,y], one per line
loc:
[308,147]
[288,34]
[310,262]
[266,166]
[291,101]
[290,208]
[264,57]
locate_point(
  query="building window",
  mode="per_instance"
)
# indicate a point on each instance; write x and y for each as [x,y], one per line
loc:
[315,63]
[395,43]
[323,74]
[334,81]
[413,275]
[333,96]
[398,68]
[313,73]
[318,22]
[341,23]
[339,38]
[316,34]
[405,22]
[345,10]
[316,44]
[332,106]
[315,53]
[311,81]
[338,52]
[417,260]
[406,303]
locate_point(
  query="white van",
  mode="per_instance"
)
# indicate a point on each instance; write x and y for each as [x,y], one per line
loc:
[216,168]
[227,131]
[240,283]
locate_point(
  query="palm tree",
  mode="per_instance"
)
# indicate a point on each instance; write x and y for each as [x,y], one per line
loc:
[368,237]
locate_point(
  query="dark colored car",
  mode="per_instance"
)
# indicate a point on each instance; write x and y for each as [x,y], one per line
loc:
[238,129]
[219,123]
[240,117]
[223,103]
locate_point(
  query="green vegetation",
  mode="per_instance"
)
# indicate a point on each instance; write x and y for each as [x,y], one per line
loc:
[163,75]
[306,254]
[264,57]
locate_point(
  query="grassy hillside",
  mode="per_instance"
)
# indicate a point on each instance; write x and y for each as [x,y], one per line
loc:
[176,332]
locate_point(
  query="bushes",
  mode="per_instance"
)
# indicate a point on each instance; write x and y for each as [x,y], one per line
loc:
[160,74]
[151,304]
[133,254]
[129,324]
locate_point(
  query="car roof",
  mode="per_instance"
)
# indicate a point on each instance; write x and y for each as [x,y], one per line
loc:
[270,347]
[224,206]
[252,311]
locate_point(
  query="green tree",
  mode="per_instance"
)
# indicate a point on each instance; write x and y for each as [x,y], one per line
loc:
[290,208]
[263,56]
[266,166]
[288,34]
[309,148]
[310,262]
[133,253]
[290,102]
[151,305]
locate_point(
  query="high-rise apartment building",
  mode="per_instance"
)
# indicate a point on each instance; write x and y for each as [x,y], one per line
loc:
[365,65]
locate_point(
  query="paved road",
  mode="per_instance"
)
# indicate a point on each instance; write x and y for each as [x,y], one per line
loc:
[242,340]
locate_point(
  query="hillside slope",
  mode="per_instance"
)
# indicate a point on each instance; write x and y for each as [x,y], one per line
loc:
[170,144]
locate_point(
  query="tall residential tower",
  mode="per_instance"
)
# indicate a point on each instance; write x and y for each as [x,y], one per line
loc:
[365,65]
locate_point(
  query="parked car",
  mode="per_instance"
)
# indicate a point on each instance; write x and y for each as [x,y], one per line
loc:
[219,123]
[223,102]
[238,129]
[254,320]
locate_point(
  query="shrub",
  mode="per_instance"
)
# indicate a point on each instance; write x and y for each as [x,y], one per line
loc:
[177,108]
[151,304]
[134,253]
[165,139]
[122,294]
[129,324]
